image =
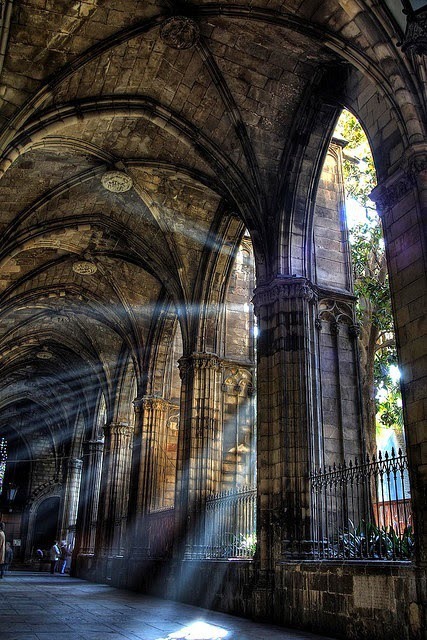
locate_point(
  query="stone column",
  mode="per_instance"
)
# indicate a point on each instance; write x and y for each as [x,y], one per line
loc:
[341,437]
[199,448]
[149,436]
[114,489]
[402,204]
[71,498]
[285,309]
[89,496]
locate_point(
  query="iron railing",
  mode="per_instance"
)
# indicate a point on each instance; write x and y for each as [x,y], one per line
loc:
[363,510]
[230,524]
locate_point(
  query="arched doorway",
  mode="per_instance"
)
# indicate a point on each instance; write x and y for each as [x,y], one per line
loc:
[46,523]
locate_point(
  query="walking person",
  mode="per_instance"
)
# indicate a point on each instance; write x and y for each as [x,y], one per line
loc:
[40,557]
[54,555]
[2,549]
[63,550]
[8,557]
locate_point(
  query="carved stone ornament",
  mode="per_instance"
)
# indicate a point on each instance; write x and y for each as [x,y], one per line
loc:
[118,428]
[415,40]
[151,403]
[84,267]
[198,361]
[180,32]
[116,181]
[283,289]
[44,354]
[386,197]
[355,330]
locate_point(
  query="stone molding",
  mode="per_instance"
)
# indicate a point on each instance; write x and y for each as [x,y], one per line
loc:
[118,428]
[150,402]
[92,446]
[75,463]
[180,32]
[388,194]
[202,360]
[283,289]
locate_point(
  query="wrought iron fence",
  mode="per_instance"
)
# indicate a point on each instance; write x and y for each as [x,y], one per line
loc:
[363,510]
[230,524]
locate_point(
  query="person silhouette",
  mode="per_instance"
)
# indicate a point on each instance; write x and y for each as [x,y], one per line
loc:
[2,549]
[54,555]
[8,557]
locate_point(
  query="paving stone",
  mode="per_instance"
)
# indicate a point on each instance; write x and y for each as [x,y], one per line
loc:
[120,615]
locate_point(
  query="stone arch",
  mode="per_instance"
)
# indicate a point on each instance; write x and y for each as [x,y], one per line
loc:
[42,493]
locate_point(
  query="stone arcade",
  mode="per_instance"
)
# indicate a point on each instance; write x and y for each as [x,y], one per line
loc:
[177,320]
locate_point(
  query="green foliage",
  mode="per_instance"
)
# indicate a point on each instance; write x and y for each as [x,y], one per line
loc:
[370,275]
[388,396]
[359,169]
[239,546]
[367,540]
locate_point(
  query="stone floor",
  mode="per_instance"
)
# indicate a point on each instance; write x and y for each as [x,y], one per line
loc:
[38,606]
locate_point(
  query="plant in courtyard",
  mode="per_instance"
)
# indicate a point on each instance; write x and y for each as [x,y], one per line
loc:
[368,540]
[240,546]
[247,544]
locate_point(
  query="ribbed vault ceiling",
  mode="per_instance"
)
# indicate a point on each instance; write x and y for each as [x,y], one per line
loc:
[202,131]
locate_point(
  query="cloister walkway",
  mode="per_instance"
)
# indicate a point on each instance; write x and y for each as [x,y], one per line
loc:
[38,606]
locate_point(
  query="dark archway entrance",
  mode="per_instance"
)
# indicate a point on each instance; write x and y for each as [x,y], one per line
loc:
[46,524]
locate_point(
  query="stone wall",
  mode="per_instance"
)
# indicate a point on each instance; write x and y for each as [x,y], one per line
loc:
[352,601]
[355,601]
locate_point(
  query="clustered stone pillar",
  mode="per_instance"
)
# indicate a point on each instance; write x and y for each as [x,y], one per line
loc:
[199,448]
[402,205]
[285,310]
[71,498]
[340,435]
[89,496]
[150,421]
[114,489]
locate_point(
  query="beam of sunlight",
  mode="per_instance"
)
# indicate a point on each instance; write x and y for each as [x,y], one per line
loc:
[198,631]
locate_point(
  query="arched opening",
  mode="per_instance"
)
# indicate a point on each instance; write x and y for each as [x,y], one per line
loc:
[45,529]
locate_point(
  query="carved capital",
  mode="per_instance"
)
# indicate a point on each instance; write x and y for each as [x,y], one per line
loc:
[283,289]
[118,428]
[150,403]
[198,361]
[335,328]
[354,330]
[416,160]
[138,404]
[415,40]
[388,195]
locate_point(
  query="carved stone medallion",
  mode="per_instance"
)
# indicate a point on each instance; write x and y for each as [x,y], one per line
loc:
[44,354]
[84,268]
[116,181]
[180,32]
